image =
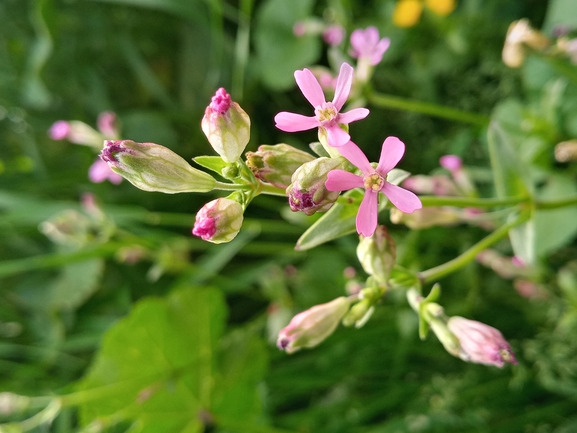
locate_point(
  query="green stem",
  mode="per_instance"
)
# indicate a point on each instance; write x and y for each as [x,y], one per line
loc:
[431,201]
[396,103]
[558,203]
[232,186]
[468,256]
[265,188]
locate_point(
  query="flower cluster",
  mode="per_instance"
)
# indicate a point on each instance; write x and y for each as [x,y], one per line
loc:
[331,124]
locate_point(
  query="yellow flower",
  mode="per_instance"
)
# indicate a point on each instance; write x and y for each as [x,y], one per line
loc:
[407,13]
[441,7]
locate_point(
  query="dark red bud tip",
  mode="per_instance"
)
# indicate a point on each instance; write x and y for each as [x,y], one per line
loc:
[111,149]
[282,343]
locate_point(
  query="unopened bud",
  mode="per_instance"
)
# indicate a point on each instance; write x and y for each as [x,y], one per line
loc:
[566,151]
[426,217]
[437,185]
[11,403]
[377,254]
[226,126]
[519,36]
[276,164]
[481,343]
[152,167]
[218,221]
[359,314]
[308,192]
[311,327]
[76,132]
[505,267]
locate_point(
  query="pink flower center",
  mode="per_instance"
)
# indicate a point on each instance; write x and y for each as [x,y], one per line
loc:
[221,101]
[374,181]
[326,113]
[205,228]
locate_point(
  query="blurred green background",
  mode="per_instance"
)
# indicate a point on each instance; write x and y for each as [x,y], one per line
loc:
[148,329]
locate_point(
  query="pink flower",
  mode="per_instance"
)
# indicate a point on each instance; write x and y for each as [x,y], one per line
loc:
[374,181]
[59,130]
[334,34]
[366,44]
[99,171]
[481,343]
[451,162]
[327,114]
[107,124]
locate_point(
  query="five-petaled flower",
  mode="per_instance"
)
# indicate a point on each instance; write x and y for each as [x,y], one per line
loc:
[327,114]
[373,180]
[366,44]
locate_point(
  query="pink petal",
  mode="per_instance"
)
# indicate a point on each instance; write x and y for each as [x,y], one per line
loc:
[344,83]
[368,213]
[371,36]
[356,156]
[310,87]
[340,180]
[292,122]
[391,153]
[357,42]
[353,115]
[401,198]
[336,136]
[379,50]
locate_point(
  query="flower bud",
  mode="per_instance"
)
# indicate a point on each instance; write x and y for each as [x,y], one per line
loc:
[226,126]
[307,192]
[377,254]
[152,167]
[218,221]
[311,327]
[437,185]
[76,132]
[11,403]
[481,343]
[426,217]
[276,164]
[566,151]
[108,125]
[519,35]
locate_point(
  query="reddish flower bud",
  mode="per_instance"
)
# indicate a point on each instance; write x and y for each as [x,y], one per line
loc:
[218,221]
[481,343]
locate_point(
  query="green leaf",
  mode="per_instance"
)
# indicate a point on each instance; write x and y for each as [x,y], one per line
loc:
[157,366]
[241,367]
[279,51]
[556,227]
[214,163]
[560,12]
[508,171]
[338,221]
[76,284]
[510,177]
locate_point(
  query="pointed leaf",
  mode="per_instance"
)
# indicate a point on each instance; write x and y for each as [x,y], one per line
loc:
[214,163]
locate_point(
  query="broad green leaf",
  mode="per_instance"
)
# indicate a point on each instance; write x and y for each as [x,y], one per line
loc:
[157,365]
[561,12]
[214,163]
[509,174]
[556,227]
[76,284]
[279,51]
[510,178]
[338,221]
[241,367]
